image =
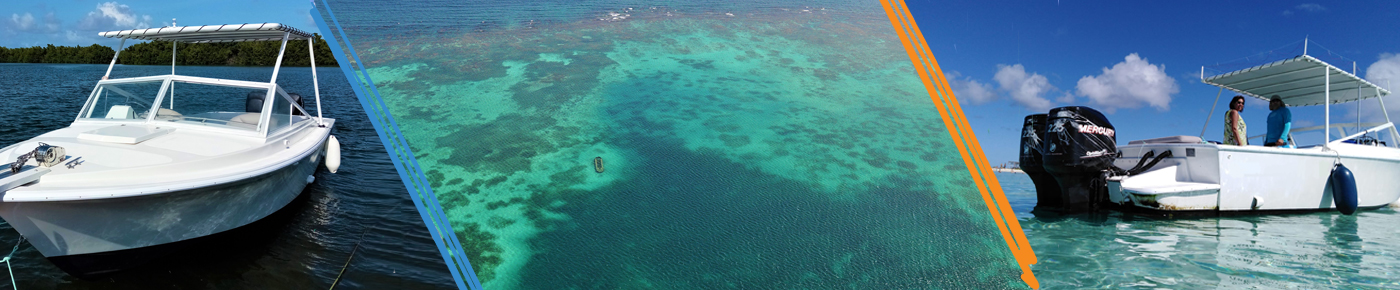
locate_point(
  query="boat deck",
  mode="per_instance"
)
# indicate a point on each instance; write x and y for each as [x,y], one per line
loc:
[180,159]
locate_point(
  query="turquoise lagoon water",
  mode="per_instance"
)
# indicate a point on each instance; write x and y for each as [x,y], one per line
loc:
[1319,250]
[788,146]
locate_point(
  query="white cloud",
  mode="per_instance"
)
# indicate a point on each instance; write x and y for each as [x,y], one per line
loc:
[969,91]
[1310,7]
[1305,7]
[1385,73]
[73,36]
[1066,98]
[1026,89]
[1129,84]
[112,15]
[28,23]
[22,23]
[51,23]
[1385,69]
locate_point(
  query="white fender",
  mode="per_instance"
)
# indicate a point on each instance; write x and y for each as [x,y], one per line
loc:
[333,154]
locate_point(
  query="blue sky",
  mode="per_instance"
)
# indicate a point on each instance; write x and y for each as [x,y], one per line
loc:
[71,22]
[1140,61]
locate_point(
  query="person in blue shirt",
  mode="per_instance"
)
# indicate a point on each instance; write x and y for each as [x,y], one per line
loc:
[1280,121]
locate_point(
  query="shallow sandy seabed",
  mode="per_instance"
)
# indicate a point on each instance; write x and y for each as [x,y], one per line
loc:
[509,122]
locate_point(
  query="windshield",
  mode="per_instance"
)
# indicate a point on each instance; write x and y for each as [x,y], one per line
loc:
[122,101]
[212,105]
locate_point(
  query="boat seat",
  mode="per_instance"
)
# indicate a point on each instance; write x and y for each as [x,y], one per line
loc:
[246,120]
[164,114]
[121,112]
[255,102]
[1168,140]
[297,98]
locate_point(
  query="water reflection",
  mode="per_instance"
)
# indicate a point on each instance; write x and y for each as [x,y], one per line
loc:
[1112,249]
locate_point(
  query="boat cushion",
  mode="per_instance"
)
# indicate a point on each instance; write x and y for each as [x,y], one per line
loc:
[246,120]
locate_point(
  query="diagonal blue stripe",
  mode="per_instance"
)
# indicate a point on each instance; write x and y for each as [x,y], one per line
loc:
[409,170]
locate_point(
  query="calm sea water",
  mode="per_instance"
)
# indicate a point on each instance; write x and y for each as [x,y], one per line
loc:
[772,145]
[1320,250]
[304,246]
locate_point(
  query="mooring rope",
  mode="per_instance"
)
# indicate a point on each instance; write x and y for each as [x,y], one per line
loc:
[356,248]
[347,264]
[7,262]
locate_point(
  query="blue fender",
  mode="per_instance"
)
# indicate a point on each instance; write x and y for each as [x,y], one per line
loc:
[1343,189]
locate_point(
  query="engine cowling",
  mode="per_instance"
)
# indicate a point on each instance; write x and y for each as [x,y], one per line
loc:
[1079,147]
[1046,188]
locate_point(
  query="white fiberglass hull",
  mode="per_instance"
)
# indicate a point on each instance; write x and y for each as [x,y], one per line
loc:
[92,218]
[1245,178]
[92,226]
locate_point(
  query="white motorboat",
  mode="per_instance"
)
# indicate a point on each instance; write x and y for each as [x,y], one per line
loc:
[156,160]
[1185,174]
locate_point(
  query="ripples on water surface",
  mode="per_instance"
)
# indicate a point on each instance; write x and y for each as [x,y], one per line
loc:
[303,246]
[771,146]
[1281,251]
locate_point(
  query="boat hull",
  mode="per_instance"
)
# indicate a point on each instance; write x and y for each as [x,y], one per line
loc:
[77,235]
[1248,178]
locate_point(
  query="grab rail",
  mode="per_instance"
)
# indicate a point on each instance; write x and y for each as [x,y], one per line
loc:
[1387,125]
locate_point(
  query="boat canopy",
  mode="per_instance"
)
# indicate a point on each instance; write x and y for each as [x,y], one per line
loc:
[226,33]
[1299,81]
[213,33]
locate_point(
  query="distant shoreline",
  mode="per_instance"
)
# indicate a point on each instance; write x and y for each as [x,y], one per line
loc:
[253,53]
[1008,170]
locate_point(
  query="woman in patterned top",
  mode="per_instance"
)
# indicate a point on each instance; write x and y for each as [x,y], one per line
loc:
[1234,124]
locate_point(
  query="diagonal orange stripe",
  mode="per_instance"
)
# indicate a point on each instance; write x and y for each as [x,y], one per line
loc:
[984,167]
[963,138]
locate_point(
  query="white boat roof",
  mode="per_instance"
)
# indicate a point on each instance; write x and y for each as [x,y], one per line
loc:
[1298,81]
[213,33]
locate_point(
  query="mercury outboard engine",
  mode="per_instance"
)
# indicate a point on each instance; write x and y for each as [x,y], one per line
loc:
[1047,191]
[1078,151]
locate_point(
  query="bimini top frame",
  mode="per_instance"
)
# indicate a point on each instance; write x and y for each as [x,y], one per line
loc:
[227,33]
[1303,81]
[213,33]
[1299,81]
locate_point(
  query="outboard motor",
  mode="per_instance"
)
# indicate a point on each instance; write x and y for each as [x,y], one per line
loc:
[1079,150]
[1047,191]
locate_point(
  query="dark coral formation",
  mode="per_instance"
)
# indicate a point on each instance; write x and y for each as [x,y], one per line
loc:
[863,139]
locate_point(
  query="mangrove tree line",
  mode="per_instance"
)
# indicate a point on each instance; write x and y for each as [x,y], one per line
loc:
[254,53]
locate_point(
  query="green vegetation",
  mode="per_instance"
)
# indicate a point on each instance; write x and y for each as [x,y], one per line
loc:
[256,53]
[58,54]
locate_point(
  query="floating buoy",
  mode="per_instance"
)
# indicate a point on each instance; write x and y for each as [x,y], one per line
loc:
[598,164]
[1343,189]
[333,154]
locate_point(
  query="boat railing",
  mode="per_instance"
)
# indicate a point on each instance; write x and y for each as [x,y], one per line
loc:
[1387,125]
[1341,129]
